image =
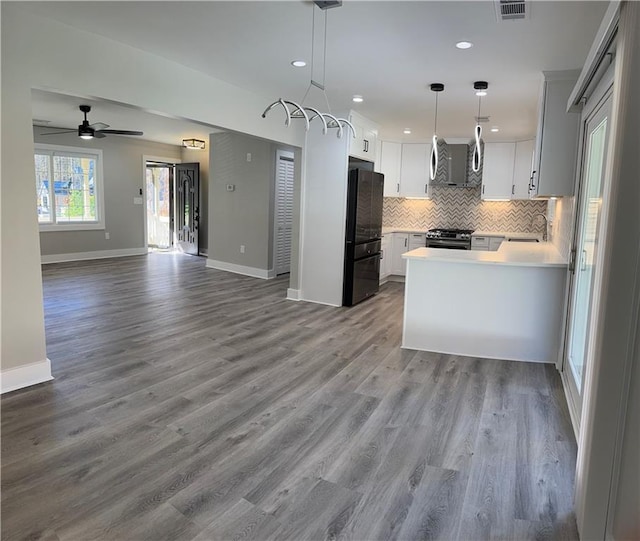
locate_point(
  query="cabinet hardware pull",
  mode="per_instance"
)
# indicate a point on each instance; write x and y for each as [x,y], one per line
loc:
[426,188]
[398,187]
[513,189]
[405,242]
[483,188]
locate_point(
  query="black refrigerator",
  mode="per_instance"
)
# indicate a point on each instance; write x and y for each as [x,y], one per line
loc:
[363,236]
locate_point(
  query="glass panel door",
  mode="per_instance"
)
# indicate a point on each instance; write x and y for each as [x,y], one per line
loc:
[588,225]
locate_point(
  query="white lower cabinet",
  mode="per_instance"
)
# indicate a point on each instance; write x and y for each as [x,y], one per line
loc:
[385,257]
[417,240]
[400,245]
[486,243]
[494,243]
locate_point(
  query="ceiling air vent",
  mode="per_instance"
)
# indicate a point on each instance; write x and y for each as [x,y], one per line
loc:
[511,10]
[327,4]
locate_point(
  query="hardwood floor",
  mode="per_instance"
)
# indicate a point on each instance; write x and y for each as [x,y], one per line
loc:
[191,403]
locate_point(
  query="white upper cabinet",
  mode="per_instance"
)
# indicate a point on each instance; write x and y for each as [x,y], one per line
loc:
[557,139]
[364,144]
[414,170]
[497,170]
[390,158]
[522,169]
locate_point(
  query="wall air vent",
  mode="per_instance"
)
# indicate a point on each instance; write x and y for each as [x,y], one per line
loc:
[512,10]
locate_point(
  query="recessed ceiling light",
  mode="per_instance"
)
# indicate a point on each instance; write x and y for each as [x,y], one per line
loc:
[495,129]
[299,63]
[406,131]
[464,45]
[358,98]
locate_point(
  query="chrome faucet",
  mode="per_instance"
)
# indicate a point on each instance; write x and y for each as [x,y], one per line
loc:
[546,225]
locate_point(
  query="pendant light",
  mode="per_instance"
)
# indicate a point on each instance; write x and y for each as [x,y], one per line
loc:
[481,90]
[433,163]
[310,113]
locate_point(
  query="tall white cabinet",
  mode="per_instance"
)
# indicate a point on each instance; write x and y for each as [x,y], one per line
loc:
[389,161]
[557,138]
[497,170]
[414,171]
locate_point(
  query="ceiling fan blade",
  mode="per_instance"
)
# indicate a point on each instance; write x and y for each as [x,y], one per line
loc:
[99,126]
[59,132]
[99,135]
[120,132]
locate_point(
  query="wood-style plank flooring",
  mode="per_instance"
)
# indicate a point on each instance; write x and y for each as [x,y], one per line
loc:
[191,403]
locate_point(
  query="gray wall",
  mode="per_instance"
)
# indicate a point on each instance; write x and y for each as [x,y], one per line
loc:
[243,216]
[201,157]
[123,178]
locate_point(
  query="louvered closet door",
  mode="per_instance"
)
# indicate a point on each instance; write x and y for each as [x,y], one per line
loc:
[284,213]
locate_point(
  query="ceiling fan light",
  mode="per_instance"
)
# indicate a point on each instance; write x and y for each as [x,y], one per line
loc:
[86,136]
[193,144]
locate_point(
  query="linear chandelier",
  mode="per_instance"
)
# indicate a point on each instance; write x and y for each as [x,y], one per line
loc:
[433,163]
[300,111]
[481,90]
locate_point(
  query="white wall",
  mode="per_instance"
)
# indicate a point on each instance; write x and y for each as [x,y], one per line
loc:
[40,53]
[324,194]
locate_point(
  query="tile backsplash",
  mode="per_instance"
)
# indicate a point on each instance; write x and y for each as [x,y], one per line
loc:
[462,208]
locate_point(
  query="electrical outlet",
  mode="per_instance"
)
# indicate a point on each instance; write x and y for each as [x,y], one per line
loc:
[248,156]
[106,235]
[242,248]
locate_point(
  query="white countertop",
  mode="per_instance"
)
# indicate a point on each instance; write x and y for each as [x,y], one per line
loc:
[389,230]
[526,254]
[508,234]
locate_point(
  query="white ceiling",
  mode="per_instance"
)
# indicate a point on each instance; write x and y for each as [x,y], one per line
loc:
[387,51]
[62,111]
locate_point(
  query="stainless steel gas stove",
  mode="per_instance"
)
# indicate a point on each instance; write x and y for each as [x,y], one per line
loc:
[453,239]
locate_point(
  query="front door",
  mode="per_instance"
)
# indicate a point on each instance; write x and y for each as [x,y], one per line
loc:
[594,160]
[187,214]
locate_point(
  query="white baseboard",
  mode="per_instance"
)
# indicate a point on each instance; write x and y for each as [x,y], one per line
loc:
[13,379]
[98,254]
[293,294]
[203,253]
[395,278]
[239,269]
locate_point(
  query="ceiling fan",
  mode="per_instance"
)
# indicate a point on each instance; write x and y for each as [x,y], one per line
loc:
[97,130]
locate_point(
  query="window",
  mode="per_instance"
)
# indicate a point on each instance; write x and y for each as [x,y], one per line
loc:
[69,188]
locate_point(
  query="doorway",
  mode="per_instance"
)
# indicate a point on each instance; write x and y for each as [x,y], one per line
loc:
[595,138]
[159,188]
[173,206]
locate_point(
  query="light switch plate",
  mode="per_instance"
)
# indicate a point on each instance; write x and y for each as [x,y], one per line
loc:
[137,200]
[231,187]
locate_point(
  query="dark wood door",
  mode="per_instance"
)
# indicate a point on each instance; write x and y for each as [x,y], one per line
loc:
[187,214]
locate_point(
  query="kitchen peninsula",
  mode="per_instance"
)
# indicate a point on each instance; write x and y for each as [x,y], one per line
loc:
[506,304]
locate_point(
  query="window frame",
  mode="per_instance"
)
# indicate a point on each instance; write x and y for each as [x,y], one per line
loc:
[60,150]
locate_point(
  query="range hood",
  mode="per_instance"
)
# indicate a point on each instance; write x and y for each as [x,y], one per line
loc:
[454,166]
